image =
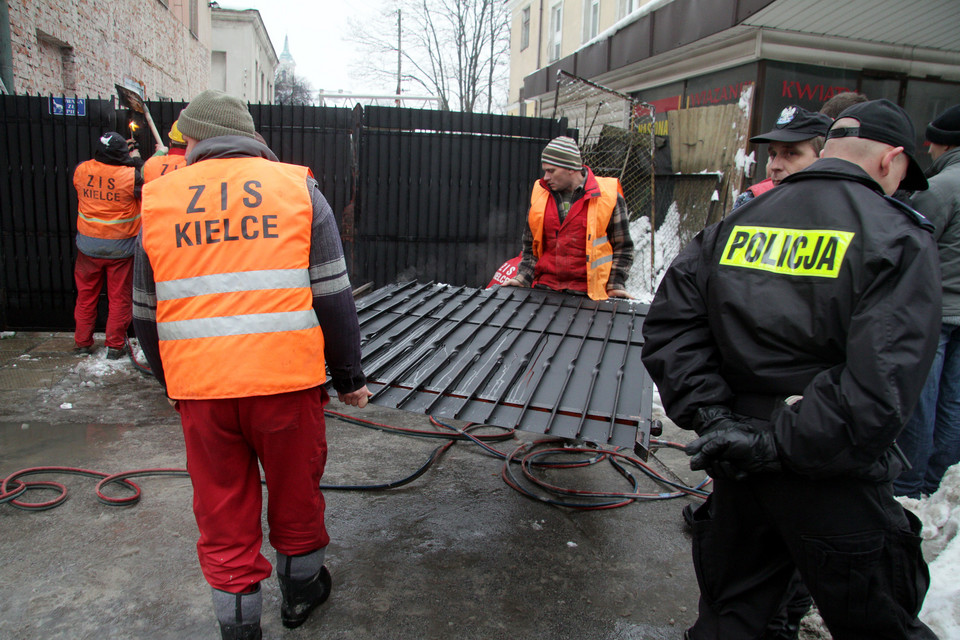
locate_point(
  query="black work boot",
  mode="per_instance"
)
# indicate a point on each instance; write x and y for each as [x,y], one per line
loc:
[238,614]
[240,631]
[300,597]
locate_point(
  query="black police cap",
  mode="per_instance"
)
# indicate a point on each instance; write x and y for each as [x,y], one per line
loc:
[883,121]
[796,124]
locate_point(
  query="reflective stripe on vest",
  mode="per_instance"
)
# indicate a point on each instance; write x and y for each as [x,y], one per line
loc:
[599,251]
[107,207]
[229,244]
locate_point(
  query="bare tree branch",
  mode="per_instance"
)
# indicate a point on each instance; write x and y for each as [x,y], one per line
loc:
[458,50]
[290,88]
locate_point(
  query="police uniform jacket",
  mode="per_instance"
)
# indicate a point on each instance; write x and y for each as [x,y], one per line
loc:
[825,289]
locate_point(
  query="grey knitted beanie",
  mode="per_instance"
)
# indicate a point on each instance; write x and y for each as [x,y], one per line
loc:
[214,113]
[562,152]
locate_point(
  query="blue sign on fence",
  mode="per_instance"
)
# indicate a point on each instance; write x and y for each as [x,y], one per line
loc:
[68,106]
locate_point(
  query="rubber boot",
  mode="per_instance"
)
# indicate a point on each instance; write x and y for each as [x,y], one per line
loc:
[300,597]
[240,631]
[238,614]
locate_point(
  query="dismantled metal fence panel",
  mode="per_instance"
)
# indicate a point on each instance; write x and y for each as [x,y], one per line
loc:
[539,361]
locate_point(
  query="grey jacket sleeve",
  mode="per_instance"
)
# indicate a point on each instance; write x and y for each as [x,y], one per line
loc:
[145,311]
[333,297]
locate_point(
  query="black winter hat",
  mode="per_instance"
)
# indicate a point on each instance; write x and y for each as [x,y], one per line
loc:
[112,149]
[946,128]
[885,122]
[796,124]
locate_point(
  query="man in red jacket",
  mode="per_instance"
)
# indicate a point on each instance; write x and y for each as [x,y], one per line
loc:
[577,237]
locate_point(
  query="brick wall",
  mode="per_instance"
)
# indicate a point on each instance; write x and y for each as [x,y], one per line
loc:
[83,47]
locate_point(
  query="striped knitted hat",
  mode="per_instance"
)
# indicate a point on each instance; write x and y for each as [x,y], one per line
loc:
[563,152]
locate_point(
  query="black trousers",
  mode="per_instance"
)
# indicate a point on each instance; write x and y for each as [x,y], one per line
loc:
[856,549]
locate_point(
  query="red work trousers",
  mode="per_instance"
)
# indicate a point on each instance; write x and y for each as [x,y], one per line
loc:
[90,273]
[224,440]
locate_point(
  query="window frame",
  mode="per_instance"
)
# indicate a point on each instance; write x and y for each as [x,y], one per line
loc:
[555,43]
[524,28]
[591,20]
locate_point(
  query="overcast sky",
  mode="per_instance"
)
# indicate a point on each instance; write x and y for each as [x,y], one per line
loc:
[316,31]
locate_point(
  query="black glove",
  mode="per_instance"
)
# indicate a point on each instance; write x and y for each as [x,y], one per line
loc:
[714,417]
[734,452]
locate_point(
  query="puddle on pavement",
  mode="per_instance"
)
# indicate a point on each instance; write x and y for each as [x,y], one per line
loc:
[24,444]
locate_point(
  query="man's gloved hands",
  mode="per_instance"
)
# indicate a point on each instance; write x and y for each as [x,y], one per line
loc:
[714,417]
[729,448]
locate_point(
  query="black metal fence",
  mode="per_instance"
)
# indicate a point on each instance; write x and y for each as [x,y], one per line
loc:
[418,194]
[443,196]
[39,149]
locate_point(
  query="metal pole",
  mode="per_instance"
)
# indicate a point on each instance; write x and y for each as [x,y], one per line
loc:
[399,52]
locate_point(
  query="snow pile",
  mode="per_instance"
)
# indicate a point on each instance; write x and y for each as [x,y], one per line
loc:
[940,514]
[94,368]
[646,272]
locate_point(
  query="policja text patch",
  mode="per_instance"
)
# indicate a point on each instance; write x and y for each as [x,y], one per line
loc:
[792,252]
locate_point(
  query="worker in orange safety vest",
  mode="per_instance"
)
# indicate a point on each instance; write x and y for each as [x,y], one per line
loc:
[108,220]
[175,157]
[577,237]
[242,298]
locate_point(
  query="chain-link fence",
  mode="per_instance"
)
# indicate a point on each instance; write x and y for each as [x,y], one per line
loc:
[620,137]
[617,140]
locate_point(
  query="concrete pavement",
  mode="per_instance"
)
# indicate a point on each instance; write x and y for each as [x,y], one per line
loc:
[455,554]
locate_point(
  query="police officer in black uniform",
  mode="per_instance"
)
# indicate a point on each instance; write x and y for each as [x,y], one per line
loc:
[794,337]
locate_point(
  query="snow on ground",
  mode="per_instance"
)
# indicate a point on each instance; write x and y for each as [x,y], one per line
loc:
[940,515]
[93,368]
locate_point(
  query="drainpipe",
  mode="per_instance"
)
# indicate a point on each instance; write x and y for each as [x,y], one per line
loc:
[539,33]
[6,49]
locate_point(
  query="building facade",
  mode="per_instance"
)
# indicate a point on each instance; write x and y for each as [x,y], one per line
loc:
[681,54]
[82,48]
[243,61]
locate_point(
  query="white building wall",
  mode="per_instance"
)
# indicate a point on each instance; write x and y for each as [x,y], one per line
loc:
[243,61]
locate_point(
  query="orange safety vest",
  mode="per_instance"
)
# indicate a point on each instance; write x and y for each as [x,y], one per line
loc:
[229,244]
[599,251]
[107,207]
[162,165]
